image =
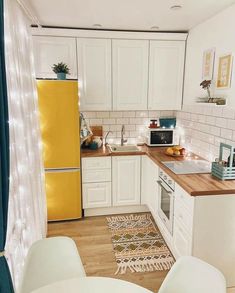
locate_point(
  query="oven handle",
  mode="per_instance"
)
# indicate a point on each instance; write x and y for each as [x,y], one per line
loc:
[163,185]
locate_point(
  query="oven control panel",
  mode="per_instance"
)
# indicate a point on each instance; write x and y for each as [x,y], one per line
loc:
[167,179]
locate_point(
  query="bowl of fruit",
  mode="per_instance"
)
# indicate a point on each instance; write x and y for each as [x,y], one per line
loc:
[175,151]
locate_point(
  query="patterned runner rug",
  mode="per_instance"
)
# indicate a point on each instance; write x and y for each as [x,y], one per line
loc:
[138,244]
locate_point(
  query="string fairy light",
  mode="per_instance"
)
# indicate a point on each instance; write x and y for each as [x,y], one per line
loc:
[27,207]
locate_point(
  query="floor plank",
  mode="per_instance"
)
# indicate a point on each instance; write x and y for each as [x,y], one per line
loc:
[93,240]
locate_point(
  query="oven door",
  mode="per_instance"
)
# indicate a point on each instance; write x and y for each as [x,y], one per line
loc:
[161,137]
[166,205]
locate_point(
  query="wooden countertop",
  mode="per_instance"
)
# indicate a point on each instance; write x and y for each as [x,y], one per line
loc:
[194,184]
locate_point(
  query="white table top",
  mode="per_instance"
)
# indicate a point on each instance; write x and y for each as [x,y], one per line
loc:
[92,285]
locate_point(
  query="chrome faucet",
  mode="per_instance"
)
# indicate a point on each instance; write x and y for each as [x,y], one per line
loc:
[122,134]
[106,136]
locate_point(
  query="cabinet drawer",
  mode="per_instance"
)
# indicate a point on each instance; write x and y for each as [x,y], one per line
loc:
[96,163]
[182,214]
[185,198]
[97,195]
[102,175]
[181,240]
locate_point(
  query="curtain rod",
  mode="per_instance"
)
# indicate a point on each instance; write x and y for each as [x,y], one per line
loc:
[28,12]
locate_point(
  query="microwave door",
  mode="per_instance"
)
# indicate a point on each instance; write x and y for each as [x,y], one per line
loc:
[161,138]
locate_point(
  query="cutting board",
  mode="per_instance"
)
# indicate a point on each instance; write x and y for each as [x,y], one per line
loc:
[97,131]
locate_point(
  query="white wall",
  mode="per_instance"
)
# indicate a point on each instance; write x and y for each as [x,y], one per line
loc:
[218,32]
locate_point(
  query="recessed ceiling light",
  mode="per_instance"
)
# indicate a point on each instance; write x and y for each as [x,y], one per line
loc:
[176,7]
[97,25]
[155,27]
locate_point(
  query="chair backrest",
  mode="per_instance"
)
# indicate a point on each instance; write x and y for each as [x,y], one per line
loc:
[51,260]
[192,275]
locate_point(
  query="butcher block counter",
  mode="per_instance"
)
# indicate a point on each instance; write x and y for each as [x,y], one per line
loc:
[194,184]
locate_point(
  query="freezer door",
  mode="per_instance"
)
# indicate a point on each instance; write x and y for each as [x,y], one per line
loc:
[63,191]
[59,121]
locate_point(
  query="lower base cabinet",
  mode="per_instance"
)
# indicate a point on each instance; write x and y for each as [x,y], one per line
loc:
[97,195]
[126,180]
[181,240]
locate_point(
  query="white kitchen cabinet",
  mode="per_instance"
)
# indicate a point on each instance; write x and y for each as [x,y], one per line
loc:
[182,241]
[130,74]
[94,74]
[149,187]
[96,182]
[166,72]
[126,180]
[50,50]
[96,195]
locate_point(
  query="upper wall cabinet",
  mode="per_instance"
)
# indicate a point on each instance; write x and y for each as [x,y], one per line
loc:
[130,74]
[50,50]
[166,70]
[94,73]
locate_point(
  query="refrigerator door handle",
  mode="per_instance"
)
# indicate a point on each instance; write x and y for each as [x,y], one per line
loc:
[61,170]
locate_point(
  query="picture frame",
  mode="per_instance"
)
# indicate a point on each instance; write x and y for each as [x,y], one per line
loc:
[225,63]
[208,64]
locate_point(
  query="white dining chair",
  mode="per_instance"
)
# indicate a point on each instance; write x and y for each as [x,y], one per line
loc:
[192,275]
[51,260]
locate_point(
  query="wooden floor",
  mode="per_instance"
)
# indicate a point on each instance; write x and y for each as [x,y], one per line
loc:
[93,240]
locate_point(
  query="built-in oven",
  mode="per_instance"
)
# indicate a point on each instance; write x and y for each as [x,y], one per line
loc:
[166,200]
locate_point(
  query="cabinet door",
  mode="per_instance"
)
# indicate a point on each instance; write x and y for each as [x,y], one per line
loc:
[130,74]
[96,195]
[94,71]
[166,71]
[182,242]
[126,180]
[149,187]
[51,50]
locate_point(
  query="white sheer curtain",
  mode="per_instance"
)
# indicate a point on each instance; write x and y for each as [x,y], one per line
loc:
[27,207]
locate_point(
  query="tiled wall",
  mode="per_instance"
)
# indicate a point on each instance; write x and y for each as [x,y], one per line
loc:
[203,127]
[135,122]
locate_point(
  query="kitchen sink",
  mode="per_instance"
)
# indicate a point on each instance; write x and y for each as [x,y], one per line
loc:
[116,148]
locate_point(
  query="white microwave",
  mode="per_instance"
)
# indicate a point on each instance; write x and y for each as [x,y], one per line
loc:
[162,137]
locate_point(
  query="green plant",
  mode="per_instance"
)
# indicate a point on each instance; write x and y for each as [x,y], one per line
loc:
[60,68]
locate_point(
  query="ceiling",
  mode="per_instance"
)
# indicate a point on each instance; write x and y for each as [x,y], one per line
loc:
[125,14]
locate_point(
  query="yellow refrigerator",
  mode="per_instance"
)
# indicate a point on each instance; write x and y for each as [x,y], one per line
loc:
[59,122]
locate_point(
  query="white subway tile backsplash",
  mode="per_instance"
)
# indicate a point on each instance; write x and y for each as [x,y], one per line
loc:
[210,120]
[137,120]
[115,114]
[167,113]
[108,121]
[102,114]
[95,122]
[228,113]
[141,114]
[217,111]
[89,114]
[122,120]
[221,122]
[106,128]
[115,127]
[231,124]
[154,114]
[215,130]
[203,133]
[128,114]
[226,133]
[130,127]
[203,127]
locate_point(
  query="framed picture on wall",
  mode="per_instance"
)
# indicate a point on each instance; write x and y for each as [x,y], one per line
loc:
[208,64]
[224,71]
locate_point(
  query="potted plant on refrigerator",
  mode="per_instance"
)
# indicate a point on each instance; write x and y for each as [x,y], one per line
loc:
[61,69]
